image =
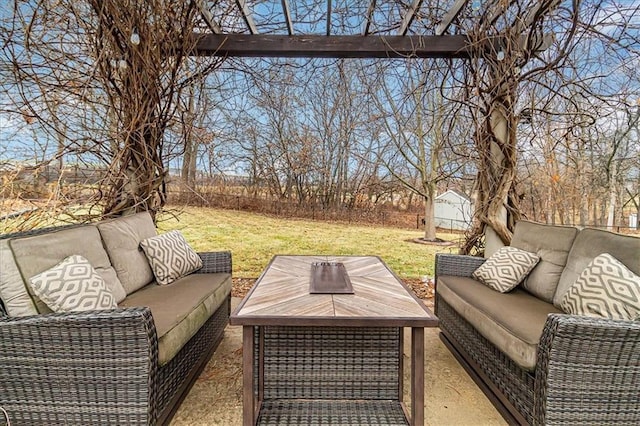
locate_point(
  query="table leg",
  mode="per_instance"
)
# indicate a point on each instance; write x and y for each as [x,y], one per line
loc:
[248,398]
[417,376]
[401,364]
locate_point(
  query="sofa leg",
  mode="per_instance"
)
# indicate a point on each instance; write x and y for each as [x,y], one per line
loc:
[506,409]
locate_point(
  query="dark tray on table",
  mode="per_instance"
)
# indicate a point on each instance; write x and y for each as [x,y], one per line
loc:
[329,278]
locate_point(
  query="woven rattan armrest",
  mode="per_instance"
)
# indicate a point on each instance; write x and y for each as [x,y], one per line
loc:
[215,262]
[96,367]
[457,264]
[588,371]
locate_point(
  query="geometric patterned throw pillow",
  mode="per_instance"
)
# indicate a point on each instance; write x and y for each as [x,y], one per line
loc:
[170,256]
[506,268]
[73,286]
[606,288]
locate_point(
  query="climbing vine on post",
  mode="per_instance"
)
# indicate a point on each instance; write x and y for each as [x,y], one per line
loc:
[104,80]
[495,90]
[142,58]
[506,51]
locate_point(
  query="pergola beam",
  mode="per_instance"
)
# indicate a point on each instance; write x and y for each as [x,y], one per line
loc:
[246,15]
[318,46]
[369,17]
[328,17]
[287,16]
[409,16]
[497,10]
[448,17]
[208,17]
[532,13]
[499,7]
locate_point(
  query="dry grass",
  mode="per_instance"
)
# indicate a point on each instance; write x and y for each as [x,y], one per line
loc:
[254,239]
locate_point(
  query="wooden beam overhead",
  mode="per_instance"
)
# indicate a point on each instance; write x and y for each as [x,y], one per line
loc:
[532,13]
[409,16]
[319,46]
[369,17]
[499,7]
[287,16]
[208,18]
[328,17]
[448,17]
[246,15]
[496,10]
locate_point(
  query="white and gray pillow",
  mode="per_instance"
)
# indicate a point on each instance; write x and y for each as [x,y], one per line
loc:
[72,285]
[37,253]
[506,268]
[606,288]
[170,257]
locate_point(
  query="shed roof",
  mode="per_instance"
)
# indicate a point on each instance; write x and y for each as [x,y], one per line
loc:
[454,192]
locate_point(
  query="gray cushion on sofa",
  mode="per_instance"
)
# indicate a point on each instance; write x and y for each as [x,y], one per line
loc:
[552,245]
[38,253]
[512,321]
[590,243]
[179,309]
[13,291]
[122,238]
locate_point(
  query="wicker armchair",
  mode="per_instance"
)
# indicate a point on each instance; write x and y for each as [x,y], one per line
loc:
[587,369]
[100,367]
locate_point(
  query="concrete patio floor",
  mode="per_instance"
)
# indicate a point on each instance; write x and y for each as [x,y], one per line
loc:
[451,397]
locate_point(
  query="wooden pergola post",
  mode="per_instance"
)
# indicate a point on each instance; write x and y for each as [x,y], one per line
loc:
[499,122]
[501,158]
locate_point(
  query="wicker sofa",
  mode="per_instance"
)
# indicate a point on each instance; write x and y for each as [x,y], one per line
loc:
[537,364]
[130,365]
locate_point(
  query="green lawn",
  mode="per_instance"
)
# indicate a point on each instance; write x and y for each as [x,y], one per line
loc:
[254,239]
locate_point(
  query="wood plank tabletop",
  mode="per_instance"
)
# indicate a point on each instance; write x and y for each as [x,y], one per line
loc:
[281,296]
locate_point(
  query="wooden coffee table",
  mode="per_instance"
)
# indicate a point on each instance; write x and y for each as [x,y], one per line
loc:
[334,357]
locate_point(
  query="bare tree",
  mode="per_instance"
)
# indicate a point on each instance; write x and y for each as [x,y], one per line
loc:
[556,51]
[416,124]
[575,116]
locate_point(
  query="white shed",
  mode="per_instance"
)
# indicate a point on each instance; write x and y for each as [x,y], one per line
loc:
[453,210]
